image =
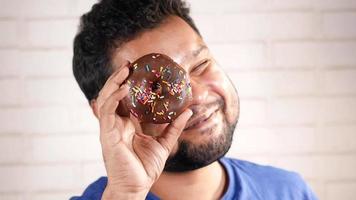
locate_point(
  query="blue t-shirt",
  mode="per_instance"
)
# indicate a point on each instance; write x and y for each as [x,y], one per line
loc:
[246,181]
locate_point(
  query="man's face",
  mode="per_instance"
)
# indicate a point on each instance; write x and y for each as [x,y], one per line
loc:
[215,105]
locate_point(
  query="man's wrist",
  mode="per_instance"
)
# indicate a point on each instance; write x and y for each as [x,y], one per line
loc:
[116,194]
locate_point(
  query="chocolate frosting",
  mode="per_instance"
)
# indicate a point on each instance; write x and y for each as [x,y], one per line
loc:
[159,89]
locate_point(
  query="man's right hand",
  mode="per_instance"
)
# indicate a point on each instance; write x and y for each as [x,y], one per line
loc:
[133,161]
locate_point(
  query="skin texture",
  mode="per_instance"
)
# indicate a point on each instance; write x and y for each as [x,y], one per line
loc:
[134,160]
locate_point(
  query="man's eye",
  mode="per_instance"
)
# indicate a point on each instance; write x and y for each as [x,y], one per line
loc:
[200,67]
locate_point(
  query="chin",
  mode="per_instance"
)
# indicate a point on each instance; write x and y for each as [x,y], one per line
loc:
[201,147]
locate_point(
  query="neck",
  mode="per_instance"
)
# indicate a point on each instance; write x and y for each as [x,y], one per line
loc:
[205,183]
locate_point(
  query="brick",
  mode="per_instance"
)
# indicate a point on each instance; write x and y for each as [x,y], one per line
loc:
[82,119]
[51,195]
[8,33]
[246,142]
[92,148]
[339,25]
[51,33]
[291,83]
[12,120]
[252,112]
[327,168]
[236,56]
[84,147]
[232,27]
[334,5]
[229,6]
[92,171]
[256,26]
[338,110]
[251,84]
[35,8]
[45,8]
[323,54]
[11,196]
[338,82]
[340,190]
[45,63]
[14,176]
[274,83]
[295,54]
[13,149]
[80,7]
[9,8]
[62,91]
[9,62]
[294,139]
[47,120]
[291,5]
[308,166]
[51,177]
[292,111]
[62,148]
[259,159]
[339,167]
[336,138]
[12,91]
[337,54]
[318,187]
[292,25]
[284,140]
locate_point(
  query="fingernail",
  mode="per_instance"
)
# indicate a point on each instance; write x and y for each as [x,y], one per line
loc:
[125,86]
[124,68]
[190,112]
[125,63]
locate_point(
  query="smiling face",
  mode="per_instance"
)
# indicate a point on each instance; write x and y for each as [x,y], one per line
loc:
[215,105]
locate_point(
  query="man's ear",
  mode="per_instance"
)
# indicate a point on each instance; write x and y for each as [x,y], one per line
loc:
[94,107]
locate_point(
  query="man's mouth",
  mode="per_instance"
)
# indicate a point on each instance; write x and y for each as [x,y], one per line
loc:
[199,120]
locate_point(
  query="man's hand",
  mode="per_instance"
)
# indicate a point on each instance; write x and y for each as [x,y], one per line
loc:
[133,161]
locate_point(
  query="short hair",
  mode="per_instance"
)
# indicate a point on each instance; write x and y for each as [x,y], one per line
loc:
[109,24]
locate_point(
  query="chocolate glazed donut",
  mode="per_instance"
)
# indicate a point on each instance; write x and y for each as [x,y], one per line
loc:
[159,89]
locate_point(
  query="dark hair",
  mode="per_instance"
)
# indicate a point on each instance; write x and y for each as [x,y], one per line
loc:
[109,24]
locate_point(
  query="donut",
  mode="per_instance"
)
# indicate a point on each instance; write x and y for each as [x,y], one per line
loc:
[160,89]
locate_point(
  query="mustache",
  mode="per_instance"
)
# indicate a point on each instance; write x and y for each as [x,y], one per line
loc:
[197,109]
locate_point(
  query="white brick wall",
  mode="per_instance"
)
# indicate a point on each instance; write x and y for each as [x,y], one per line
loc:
[293,63]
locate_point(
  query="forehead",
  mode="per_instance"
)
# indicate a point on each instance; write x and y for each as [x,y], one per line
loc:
[174,37]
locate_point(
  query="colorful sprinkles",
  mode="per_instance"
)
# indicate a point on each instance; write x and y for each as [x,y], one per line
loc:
[155,94]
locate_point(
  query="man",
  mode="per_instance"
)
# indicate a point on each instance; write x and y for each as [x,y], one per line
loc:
[186,160]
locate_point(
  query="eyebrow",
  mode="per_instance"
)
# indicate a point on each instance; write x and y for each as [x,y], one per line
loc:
[195,53]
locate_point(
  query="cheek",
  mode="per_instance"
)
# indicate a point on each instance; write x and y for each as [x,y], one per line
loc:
[221,84]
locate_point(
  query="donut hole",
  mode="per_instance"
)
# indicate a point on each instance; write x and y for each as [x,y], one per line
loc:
[156,87]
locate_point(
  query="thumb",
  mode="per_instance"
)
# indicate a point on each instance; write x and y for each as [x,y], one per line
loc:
[174,130]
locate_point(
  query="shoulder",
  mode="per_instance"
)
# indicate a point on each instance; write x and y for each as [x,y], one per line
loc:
[269,180]
[94,191]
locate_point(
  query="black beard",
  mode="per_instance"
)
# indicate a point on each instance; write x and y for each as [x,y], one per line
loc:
[190,157]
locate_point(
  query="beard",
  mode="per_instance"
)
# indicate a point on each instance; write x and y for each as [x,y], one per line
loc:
[191,156]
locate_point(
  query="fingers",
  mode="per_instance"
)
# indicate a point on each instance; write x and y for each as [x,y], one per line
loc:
[107,111]
[113,83]
[174,130]
[136,123]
